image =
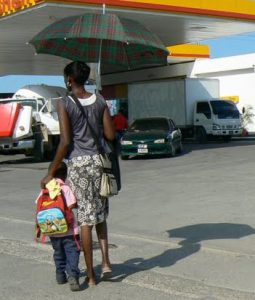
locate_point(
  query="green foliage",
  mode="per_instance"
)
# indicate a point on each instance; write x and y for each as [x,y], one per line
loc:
[246,117]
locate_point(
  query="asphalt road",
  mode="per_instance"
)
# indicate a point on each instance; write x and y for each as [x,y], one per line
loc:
[182,228]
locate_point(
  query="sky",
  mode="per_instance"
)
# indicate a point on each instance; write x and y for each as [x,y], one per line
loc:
[232,45]
[227,46]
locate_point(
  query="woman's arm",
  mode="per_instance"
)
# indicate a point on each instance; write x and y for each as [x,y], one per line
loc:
[109,131]
[65,139]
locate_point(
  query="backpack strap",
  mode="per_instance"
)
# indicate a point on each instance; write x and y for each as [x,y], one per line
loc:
[77,242]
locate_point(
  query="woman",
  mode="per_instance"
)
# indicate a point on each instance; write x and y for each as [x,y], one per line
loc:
[77,145]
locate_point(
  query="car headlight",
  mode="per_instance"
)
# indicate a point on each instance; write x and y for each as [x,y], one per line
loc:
[123,142]
[159,141]
[216,127]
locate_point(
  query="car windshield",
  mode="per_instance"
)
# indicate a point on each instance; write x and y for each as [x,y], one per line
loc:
[225,109]
[27,102]
[149,124]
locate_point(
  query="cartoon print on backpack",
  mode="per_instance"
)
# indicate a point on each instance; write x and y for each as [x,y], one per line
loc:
[53,216]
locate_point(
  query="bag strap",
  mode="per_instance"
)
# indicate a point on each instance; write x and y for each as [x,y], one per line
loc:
[93,133]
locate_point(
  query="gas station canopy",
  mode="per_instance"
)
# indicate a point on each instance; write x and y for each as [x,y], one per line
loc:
[174,21]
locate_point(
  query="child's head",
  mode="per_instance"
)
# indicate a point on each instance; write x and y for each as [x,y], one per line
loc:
[61,171]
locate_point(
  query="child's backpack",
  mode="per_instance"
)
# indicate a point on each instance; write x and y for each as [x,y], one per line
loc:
[52,215]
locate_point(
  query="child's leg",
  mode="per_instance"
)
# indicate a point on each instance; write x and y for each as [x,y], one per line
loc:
[59,259]
[72,256]
[72,262]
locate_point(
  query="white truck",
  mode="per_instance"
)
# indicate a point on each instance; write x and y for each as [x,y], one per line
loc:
[192,103]
[29,121]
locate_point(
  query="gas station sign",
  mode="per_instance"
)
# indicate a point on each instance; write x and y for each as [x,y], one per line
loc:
[8,7]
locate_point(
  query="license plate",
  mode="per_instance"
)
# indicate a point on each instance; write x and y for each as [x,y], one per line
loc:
[142,150]
[142,146]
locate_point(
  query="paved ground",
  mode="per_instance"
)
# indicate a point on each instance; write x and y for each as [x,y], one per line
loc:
[182,228]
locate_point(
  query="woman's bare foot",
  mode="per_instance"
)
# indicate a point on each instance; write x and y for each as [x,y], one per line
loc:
[91,279]
[106,272]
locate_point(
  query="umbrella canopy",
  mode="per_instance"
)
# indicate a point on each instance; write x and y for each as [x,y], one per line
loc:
[104,38]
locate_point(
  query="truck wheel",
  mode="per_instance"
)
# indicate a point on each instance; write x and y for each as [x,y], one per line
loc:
[39,147]
[50,148]
[29,152]
[227,138]
[201,136]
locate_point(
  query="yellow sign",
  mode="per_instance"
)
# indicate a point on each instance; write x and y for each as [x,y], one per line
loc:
[189,50]
[8,7]
[234,99]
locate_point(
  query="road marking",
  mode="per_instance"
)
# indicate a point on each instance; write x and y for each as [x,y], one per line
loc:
[13,220]
[171,285]
[148,279]
[150,240]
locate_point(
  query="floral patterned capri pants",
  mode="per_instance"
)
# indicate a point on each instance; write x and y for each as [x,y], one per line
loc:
[84,178]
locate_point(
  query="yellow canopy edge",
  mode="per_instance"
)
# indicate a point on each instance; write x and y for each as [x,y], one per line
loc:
[189,51]
[243,9]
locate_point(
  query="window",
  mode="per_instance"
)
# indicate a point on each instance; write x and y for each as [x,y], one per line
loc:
[150,124]
[225,109]
[204,108]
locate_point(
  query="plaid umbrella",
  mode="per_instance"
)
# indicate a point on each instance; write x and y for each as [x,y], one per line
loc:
[104,38]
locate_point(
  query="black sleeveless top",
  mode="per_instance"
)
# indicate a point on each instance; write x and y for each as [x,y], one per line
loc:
[82,142]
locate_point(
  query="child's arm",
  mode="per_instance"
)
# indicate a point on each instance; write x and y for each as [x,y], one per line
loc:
[69,196]
[72,206]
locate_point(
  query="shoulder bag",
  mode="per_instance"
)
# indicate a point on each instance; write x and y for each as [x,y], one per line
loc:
[110,181]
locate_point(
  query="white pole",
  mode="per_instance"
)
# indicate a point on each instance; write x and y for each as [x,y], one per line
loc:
[99,87]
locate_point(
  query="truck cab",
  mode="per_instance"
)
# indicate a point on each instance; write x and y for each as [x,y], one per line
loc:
[36,129]
[216,117]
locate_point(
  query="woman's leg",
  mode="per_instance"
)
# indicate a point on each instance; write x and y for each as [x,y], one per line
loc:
[101,229]
[87,245]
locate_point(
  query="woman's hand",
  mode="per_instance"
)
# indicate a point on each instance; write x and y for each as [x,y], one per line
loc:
[109,131]
[45,180]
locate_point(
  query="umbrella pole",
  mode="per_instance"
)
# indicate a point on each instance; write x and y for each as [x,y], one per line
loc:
[98,83]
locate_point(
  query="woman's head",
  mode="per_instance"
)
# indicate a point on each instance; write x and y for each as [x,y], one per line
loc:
[76,72]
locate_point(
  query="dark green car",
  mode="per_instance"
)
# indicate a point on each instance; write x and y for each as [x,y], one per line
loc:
[151,136]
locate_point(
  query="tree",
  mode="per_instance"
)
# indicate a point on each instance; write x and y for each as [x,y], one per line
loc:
[247,116]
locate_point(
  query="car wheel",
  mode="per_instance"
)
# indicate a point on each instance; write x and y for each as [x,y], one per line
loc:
[124,157]
[180,149]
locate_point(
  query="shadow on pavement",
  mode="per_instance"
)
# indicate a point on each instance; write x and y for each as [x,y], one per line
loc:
[191,236]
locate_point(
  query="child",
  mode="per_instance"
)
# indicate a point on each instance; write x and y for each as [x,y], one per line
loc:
[66,245]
